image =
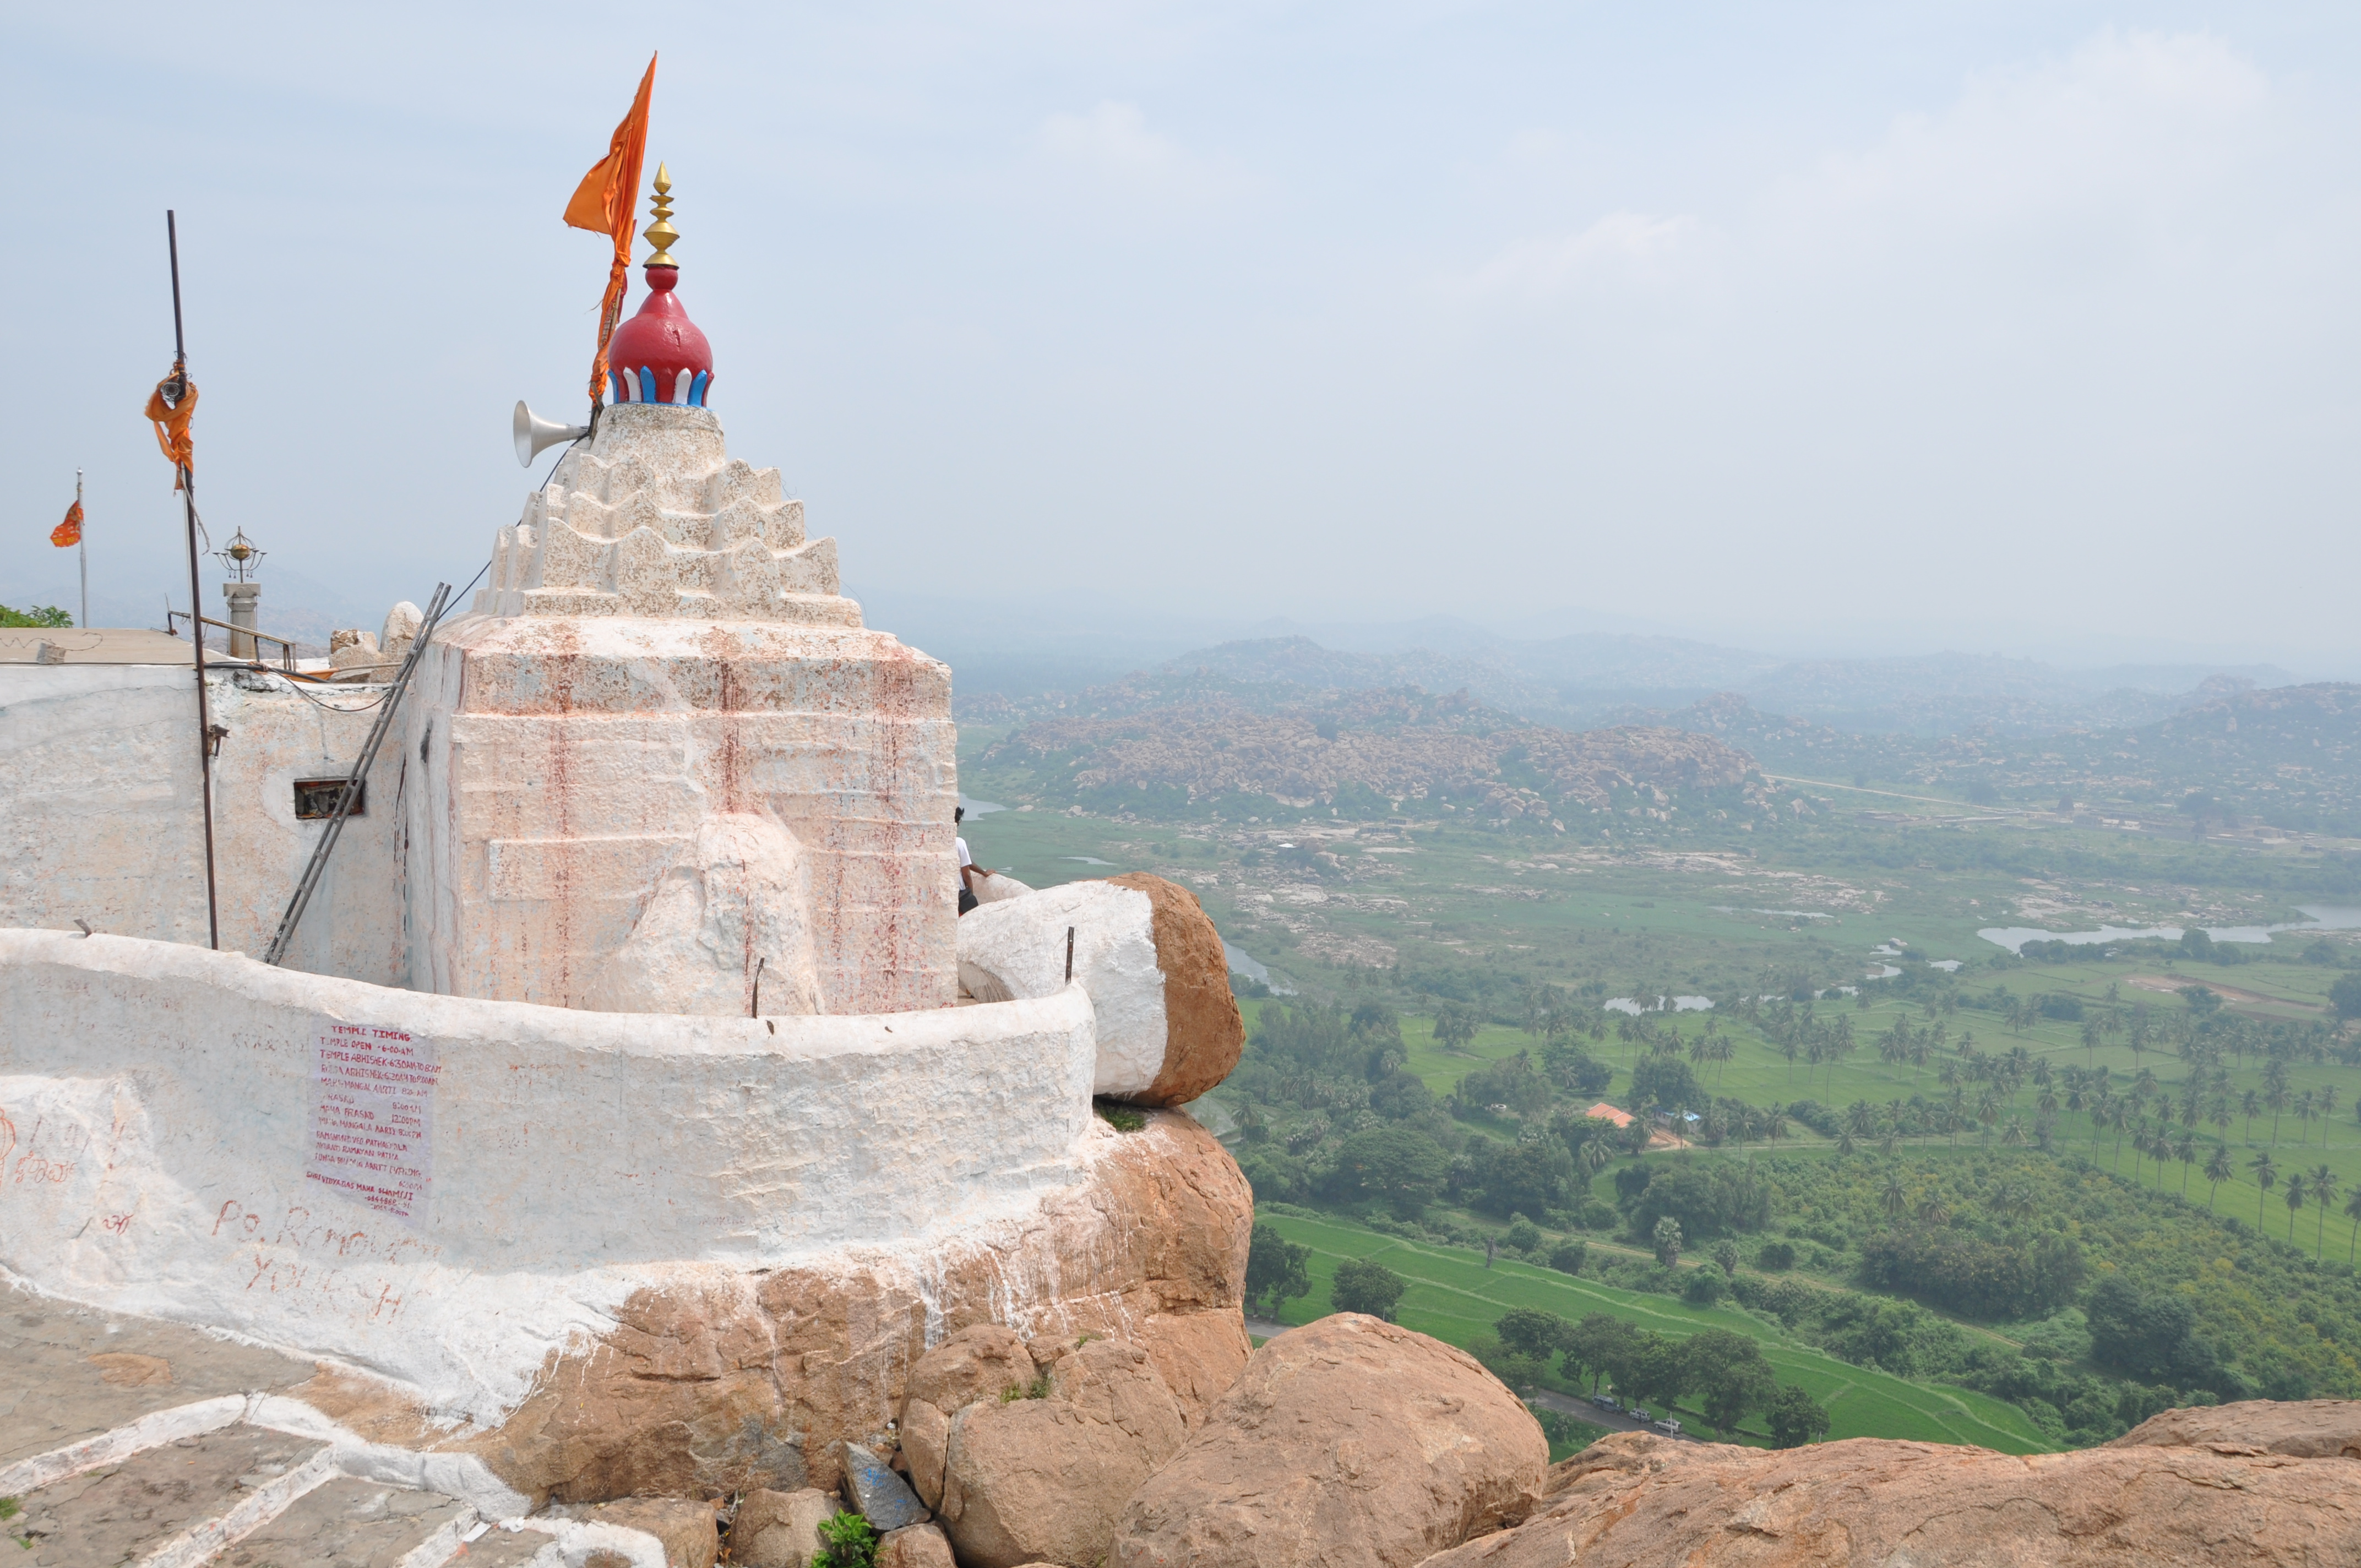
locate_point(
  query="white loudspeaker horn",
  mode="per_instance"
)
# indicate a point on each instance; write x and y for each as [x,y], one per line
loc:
[534,434]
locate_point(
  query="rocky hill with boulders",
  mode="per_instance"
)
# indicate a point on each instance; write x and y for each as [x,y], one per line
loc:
[1351,1442]
[1370,752]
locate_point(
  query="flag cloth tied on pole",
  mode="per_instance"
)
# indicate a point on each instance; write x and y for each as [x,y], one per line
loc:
[68,532]
[603,204]
[172,423]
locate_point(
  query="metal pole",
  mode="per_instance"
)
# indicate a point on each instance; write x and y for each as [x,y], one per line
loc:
[196,596]
[82,550]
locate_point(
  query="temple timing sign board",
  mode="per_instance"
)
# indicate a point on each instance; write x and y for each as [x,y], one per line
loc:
[373,1116]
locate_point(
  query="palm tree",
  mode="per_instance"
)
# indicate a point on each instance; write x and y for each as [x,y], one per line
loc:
[2323,1193]
[1934,1213]
[1893,1199]
[2091,1037]
[2012,1134]
[2304,1118]
[2275,1095]
[2266,1175]
[2184,1149]
[2249,1103]
[2297,1185]
[2353,1207]
[2219,1168]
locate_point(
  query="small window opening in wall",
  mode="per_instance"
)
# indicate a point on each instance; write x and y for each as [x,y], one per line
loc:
[315,799]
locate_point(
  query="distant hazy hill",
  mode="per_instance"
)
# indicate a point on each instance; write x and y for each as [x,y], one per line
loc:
[1583,680]
[2289,756]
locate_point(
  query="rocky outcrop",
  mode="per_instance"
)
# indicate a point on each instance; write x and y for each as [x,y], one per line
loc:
[1043,1478]
[1147,954]
[982,1361]
[2301,1429]
[2233,1485]
[720,1379]
[1349,1443]
[778,1530]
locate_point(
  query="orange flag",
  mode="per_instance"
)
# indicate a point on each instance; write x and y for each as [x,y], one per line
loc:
[603,204]
[70,530]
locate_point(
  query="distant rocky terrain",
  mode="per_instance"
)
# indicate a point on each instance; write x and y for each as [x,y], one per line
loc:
[1293,723]
[1206,746]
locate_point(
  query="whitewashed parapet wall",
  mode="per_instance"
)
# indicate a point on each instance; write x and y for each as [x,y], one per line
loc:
[193,1136]
[664,762]
[100,815]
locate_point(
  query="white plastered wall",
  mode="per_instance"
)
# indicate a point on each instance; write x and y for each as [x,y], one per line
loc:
[99,814]
[157,1137]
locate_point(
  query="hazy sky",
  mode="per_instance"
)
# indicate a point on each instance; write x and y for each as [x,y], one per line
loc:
[2022,328]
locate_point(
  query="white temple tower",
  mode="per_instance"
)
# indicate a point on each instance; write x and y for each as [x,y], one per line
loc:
[661,766]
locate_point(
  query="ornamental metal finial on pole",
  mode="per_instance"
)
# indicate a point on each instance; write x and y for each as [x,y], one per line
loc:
[661,234]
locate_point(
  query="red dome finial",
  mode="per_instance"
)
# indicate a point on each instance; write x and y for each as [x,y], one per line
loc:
[658,356]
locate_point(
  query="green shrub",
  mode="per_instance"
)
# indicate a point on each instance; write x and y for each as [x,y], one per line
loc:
[1362,1285]
[1121,1117]
[846,1541]
[1567,1256]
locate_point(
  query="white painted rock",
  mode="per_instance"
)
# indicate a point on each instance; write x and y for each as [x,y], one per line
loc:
[999,887]
[736,895]
[1149,957]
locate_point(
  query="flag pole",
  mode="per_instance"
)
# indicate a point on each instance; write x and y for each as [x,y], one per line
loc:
[82,550]
[196,596]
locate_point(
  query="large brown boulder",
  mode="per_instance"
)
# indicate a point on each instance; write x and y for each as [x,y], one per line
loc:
[1349,1443]
[1043,1479]
[1642,1501]
[717,1379]
[982,1361]
[2304,1429]
[778,1530]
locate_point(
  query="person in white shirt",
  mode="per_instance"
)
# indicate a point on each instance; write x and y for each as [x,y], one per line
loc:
[968,869]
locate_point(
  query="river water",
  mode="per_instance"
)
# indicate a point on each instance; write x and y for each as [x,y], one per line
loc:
[2320,918]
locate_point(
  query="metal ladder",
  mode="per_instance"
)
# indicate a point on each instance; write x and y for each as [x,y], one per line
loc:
[345,796]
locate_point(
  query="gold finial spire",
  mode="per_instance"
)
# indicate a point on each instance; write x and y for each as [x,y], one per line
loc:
[661,234]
